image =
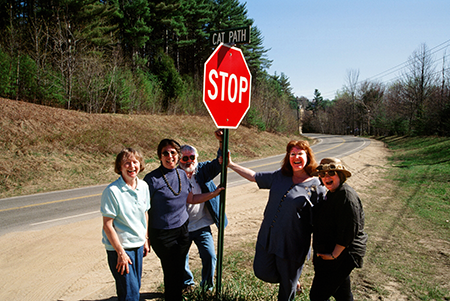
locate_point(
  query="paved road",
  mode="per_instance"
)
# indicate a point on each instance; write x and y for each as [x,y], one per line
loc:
[44,210]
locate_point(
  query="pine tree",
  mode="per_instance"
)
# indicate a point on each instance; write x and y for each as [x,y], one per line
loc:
[230,14]
[133,18]
[169,25]
[256,54]
[194,46]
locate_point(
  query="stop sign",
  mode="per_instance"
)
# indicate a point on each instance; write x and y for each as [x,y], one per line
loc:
[227,86]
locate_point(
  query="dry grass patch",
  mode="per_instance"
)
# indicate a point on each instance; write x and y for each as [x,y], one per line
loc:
[47,149]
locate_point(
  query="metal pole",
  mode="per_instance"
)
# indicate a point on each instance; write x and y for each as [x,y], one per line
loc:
[223,183]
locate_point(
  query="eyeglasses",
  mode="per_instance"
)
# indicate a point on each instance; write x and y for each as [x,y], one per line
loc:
[166,153]
[330,173]
[186,158]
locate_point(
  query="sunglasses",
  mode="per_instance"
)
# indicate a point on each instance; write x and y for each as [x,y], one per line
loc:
[166,153]
[323,174]
[186,158]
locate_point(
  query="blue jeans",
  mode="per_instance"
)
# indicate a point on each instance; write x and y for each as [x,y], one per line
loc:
[127,285]
[204,240]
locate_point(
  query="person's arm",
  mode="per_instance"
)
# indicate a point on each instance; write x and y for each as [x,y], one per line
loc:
[147,240]
[241,170]
[338,249]
[203,197]
[122,257]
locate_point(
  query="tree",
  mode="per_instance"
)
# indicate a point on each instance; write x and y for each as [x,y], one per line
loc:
[130,56]
[418,85]
[351,89]
[133,18]
[194,45]
[229,14]
[316,103]
[255,53]
[79,27]
[371,99]
[168,23]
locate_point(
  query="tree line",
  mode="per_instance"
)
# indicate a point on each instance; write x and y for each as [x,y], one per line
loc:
[147,57]
[140,56]
[416,103]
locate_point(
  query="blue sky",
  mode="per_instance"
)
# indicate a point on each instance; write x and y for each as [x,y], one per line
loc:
[315,43]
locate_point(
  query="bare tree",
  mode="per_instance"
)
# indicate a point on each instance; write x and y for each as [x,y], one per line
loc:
[64,47]
[13,43]
[371,96]
[351,89]
[418,86]
[444,97]
[40,37]
[340,115]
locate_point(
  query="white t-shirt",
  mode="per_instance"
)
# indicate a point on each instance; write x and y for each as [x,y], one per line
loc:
[199,216]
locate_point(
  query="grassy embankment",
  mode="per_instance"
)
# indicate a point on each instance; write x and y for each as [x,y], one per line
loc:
[47,149]
[420,260]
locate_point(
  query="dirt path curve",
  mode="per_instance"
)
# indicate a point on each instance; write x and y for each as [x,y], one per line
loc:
[69,262]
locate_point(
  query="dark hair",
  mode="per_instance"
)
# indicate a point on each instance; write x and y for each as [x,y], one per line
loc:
[342,177]
[311,165]
[125,154]
[166,142]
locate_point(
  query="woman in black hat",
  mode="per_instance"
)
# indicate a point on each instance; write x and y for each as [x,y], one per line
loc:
[339,240]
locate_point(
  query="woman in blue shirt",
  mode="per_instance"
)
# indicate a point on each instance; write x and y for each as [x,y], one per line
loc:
[285,235]
[170,190]
[124,206]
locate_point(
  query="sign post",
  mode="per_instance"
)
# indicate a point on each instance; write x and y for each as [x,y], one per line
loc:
[226,95]
[220,236]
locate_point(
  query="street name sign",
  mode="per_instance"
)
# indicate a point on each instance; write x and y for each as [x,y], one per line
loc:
[237,35]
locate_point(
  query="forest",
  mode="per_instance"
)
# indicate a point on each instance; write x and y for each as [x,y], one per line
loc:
[147,57]
[416,102]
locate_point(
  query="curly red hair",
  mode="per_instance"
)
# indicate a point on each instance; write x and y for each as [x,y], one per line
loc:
[311,165]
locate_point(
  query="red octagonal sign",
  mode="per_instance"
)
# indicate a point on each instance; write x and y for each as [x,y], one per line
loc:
[227,86]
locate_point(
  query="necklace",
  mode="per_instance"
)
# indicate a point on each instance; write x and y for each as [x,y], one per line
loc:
[168,185]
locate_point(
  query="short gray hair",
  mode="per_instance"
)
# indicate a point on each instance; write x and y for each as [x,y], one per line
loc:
[189,148]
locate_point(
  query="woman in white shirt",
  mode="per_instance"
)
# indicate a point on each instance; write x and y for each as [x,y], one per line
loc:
[124,207]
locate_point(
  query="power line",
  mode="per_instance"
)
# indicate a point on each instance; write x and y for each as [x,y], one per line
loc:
[407,62]
[400,75]
[398,68]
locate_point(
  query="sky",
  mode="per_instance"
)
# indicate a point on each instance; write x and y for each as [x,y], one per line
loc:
[318,43]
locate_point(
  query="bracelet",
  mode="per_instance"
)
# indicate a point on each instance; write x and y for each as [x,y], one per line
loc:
[332,256]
